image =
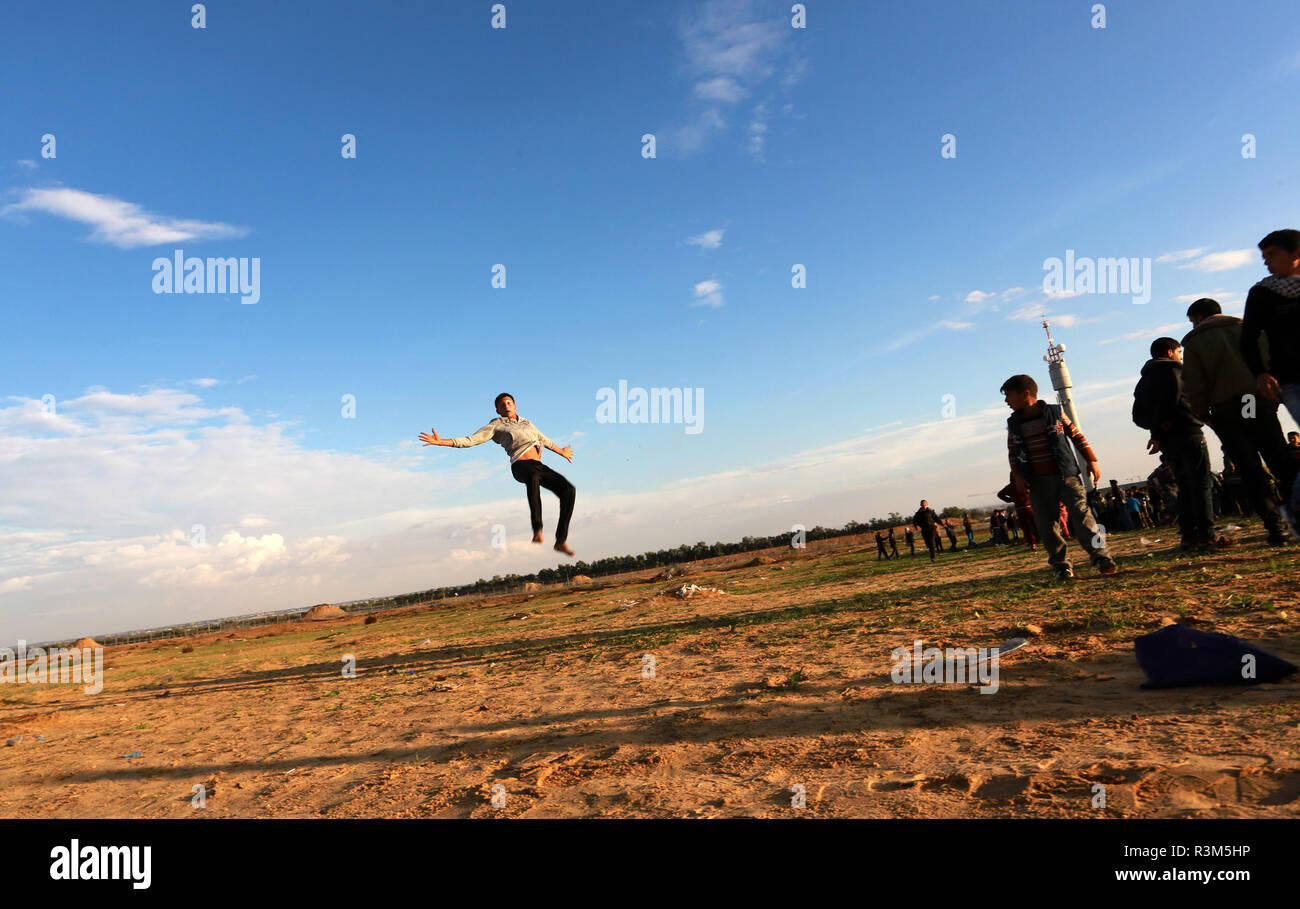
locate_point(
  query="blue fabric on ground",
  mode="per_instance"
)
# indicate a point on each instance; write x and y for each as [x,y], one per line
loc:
[1177,655]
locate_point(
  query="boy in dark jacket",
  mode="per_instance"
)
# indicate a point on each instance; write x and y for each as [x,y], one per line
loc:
[928,522]
[1160,406]
[1041,445]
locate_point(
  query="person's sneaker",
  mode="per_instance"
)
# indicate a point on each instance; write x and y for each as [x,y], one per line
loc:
[1107,566]
[1065,574]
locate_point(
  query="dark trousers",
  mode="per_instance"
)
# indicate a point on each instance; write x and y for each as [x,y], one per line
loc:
[1246,440]
[1046,494]
[534,475]
[931,541]
[1189,459]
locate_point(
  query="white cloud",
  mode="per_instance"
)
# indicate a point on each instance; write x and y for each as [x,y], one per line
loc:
[711,239]
[956,326]
[1224,261]
[758,132]
[721,88]
[27,164]
[1150,334]
[122,224]
[1028,311]
[933,297]
[729,51]
[977,296]
[1181,255]
[708,293]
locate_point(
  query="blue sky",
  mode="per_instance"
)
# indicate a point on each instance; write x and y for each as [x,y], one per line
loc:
[522,146]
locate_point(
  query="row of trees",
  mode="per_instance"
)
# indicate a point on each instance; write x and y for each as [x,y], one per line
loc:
[610,565]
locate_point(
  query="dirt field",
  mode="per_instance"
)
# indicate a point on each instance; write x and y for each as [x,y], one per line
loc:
[781,679]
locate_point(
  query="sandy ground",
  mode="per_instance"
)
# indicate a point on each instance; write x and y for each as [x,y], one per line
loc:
[779,680]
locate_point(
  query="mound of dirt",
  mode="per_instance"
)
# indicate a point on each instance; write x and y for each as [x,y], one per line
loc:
[532,587]
[672,571]
[86,643]
[324,611]
[580,579]
[761,560]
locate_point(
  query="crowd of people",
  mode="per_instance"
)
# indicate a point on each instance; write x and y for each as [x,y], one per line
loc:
[1219,376]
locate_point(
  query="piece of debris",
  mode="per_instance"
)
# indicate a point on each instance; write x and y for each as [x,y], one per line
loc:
[426,641]
[516,617]
[164,694]
[134,754]
[687,591]
[371,619]
[445,686]
[1034,629]
[14,741]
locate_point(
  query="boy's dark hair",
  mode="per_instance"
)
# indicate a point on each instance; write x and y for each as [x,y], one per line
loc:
[1286,240]
[1204,307]
[1161,347]
[1020,384]
[496,402]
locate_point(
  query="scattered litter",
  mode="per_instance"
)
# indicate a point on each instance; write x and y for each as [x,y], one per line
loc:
[689,590]
[41,739]
[134,754]
[1145,542]
[287,772]
[426,641]
[626,606]
[445,686]
[410,672]
[1231,528]
[14,741]
[516,617]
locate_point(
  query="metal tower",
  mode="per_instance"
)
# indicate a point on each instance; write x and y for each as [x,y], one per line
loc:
[1060,374]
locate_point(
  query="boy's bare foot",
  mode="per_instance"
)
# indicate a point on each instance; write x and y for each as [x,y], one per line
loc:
[564,548]
[537,537]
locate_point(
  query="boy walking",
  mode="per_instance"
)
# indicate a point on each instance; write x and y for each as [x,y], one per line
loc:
[1041,446]
[1222,393]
